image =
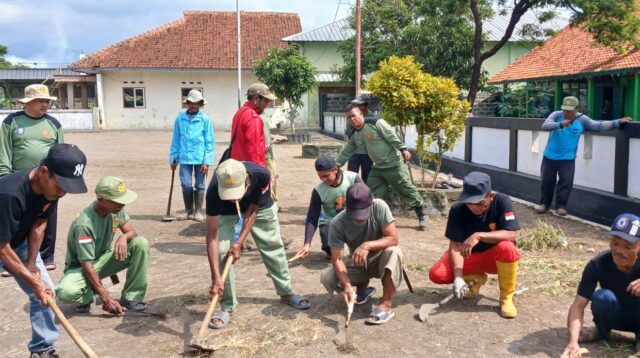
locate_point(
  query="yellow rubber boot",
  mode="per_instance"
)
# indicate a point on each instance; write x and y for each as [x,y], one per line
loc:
[507,275]
[481,279]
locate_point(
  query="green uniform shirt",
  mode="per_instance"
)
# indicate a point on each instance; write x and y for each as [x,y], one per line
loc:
[343,231]
[380,141]
[333,198]
[91,235]
[25,141]
[267,137]
[348,129]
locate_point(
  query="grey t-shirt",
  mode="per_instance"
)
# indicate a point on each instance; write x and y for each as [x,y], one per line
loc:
[344,231]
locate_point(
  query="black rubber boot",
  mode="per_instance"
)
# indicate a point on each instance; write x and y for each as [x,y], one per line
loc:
[422,218]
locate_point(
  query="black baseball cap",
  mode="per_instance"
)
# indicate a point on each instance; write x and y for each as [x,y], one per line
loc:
[325,162]
[67,163]
[475,186]
[626,226]
[359,200]
[361,98]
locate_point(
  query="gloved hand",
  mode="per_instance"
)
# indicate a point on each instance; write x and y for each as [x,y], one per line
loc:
[459,287]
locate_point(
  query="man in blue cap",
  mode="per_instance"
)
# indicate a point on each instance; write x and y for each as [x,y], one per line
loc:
[616,304]
[481,229]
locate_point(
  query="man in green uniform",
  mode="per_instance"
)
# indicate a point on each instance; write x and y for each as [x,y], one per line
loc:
[25,139]
[360,161]
[368,228]
[91,258]
[327,200]
[247,185]
[387,153]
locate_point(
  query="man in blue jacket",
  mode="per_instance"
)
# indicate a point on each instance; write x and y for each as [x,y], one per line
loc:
[193,148]
[559,160]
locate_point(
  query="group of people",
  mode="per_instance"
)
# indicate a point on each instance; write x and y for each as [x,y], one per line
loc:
[347,208]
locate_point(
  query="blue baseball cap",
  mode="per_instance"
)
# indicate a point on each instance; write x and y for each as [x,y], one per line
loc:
[626,226]
[475,186]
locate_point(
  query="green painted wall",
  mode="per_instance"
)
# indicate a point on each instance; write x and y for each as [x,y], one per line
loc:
[323,55]
[505,56]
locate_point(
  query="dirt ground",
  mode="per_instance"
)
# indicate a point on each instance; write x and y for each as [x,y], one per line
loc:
[179,280]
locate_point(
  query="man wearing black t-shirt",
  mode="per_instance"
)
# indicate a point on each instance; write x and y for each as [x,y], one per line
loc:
[616,305]
[26,201]
[248,184]
[481,230]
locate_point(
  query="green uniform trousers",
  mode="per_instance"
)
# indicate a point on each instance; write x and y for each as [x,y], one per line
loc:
[400,181]
[74,287]
[266,234]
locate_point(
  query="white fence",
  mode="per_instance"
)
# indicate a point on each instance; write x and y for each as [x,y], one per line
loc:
[84,119]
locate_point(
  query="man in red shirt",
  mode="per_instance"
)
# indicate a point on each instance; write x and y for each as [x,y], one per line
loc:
[247,129]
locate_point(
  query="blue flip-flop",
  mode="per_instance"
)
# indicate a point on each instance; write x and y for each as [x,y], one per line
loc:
[365,295]
[382,316]
[223,317]
[295,302]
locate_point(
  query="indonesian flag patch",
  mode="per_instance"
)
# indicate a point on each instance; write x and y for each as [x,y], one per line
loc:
[510,215]
[84,239]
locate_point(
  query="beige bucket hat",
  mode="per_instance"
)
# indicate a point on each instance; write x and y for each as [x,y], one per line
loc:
[32,92]
[195,96]
[261,89]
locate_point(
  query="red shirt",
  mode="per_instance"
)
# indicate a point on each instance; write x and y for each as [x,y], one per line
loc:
[249,144]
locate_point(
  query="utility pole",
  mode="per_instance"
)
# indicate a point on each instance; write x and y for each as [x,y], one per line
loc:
[358,40]
[239,55]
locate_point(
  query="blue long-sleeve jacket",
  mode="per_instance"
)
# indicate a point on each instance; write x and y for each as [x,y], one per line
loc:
[193,141]
[563,142]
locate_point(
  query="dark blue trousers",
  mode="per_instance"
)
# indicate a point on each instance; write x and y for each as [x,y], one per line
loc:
[608,314]
[562,171]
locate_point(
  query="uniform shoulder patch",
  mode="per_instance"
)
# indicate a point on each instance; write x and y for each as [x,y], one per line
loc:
[10,118]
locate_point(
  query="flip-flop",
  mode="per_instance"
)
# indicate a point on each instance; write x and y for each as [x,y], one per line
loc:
[382,316]
[295,301]
[365,296]
[221,316]
[50,266]
[5,273]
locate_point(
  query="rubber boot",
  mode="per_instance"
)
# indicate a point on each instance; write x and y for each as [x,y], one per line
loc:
[199,199]
[187,196]
[422,218]
[481,279]
[507,275]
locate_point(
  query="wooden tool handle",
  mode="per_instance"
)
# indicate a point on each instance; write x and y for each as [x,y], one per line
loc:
[448,298]
[297,256]
[238,209]
[84,347]
[214,301]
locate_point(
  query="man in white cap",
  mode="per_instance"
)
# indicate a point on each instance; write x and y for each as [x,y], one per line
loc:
[26,199]
[559,161]
[247,185]
[25,138]
[90,256]
[192,147]
[615,304]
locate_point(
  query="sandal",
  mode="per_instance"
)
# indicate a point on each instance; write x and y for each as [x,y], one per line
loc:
[222,317]
[365,296]
[380,316]
[296,301]
[83,309]
[5,273]
[50,266]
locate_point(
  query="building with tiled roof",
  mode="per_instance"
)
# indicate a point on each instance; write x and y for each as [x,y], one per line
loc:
[571,63]
[141,81]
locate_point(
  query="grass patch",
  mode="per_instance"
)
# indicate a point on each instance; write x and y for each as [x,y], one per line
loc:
[541,237]
[415,266]
[617,348]
[552,275]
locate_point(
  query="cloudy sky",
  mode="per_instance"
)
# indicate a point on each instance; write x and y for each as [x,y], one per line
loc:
[54,33]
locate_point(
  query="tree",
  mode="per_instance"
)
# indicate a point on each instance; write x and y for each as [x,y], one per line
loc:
[289,75]
[438,33]
[432,103]
[613,23]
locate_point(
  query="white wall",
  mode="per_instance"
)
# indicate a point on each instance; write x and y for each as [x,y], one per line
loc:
[490,146]
[597,172]
[633,188]
[530,151]
[69,118]
[163,96]
[411,137]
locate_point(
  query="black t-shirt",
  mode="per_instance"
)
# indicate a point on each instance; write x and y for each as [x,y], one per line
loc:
[20,207]
[463,223]
[259,193]
[602,270]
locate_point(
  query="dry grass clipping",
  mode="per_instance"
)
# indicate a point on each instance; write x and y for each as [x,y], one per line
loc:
[541,237]
[552,275]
